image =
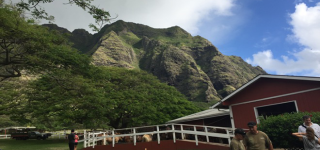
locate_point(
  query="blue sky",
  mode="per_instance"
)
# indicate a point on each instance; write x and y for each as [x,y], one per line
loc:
[281,36]
[267,28]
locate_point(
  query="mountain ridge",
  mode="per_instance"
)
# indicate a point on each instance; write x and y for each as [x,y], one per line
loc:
[191,64]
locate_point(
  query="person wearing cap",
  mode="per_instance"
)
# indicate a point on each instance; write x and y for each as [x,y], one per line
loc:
[236,143]
[256,140]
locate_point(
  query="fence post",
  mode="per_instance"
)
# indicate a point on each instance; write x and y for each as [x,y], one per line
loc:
[84,138]
[173,133]
[134,137]
[104,139]
[228,136]
[195,135]
[94,139]
[206,129]
[182,137]
[158,134]
[113,140]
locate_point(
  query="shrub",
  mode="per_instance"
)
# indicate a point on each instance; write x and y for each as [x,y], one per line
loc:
[279,128]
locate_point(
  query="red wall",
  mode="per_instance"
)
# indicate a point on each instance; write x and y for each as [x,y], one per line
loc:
[267,87]
[243,113]
[164,145]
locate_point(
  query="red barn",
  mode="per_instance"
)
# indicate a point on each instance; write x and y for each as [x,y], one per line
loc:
[268,95]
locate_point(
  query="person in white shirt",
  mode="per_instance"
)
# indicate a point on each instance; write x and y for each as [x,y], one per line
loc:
[307,123]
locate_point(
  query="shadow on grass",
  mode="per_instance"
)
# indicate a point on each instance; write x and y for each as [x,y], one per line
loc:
[49,144]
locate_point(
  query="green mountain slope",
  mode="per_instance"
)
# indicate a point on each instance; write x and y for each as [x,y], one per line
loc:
[191,64]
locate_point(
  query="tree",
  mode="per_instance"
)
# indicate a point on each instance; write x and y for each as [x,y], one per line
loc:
[101,16]
[29,50]
[114,97]
[25,46]
[11,99]
[67,91]
[141,99]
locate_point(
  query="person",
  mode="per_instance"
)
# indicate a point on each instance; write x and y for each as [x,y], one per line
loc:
[236,143]
[307,123]
[310,141]
[71,138]
[256,140]
[76,140]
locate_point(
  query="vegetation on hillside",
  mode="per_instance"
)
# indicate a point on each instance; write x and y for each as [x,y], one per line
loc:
[111,97]
[59,88]
[192,65]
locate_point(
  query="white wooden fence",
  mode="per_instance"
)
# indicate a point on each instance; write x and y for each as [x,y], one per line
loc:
[60,135]
[91,138]
[7,136]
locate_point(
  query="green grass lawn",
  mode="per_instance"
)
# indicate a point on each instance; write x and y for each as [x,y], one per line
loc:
[49,144]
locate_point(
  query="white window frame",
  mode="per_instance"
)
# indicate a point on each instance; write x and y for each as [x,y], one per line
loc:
[256,108]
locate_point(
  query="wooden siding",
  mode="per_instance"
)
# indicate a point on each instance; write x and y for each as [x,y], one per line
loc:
[268,87]
[242,114]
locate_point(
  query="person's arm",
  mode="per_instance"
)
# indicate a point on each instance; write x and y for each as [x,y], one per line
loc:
[244,142]
[317,133]
[270,146]
[298,134]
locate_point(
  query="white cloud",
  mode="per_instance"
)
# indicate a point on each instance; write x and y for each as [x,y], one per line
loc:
[305,31]
[306,62]
[305,22]
[187,14]
[166,13]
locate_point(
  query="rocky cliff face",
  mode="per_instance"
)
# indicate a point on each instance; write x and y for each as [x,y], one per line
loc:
[191,64]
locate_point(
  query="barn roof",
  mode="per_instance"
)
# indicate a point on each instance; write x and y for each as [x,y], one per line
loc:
[209,113]
[266,76]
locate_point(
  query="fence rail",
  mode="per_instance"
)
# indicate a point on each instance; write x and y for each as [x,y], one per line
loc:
[60,135]
[178,131]
[7,136]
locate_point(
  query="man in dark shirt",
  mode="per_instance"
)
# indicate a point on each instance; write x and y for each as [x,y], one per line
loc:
[71,138]
[256,140]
